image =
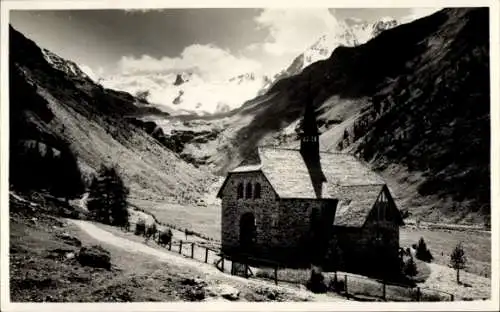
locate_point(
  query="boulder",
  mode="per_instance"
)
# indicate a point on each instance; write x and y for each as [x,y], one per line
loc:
[70,255]
[197,282]
[58,253]
[70,239]
[225,291]
[94,256]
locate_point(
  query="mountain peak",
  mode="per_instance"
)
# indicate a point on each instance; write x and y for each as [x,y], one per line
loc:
[66,66]
[351,32]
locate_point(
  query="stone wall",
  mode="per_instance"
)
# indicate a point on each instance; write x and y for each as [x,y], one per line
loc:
[369,249]
[282,225]
[283,228]
[293,232]
[233,208]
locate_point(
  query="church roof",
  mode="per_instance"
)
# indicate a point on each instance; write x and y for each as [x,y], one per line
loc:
[290,176]
[345,178]
[355,203]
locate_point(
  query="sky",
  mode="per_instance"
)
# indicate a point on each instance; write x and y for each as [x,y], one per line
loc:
[219,43]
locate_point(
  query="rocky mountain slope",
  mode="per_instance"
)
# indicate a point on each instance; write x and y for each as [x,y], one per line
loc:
[55,109]
[413,102]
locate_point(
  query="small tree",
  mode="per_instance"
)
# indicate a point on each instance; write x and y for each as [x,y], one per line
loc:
[422,252]
[410,268]
[458,259]
[316,282]
[165,237]
[140,227]
[108,197]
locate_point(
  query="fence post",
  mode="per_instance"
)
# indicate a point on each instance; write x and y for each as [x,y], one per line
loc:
[170,245]
[452,297]
[206,255]
[383,289]
[180,247]
[276,275]
[232,267]
[246,270]
[345,282]
[418,293]
[192,250]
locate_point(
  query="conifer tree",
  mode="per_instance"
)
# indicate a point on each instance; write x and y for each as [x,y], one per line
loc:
[108,197]
[458,260]
[423,253]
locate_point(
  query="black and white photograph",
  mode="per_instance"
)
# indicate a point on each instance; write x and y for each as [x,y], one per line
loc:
[220,156]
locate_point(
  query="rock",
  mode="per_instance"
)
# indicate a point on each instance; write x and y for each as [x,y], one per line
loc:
[94,256]
[58,253]
[225,291]
[195,294]
[198,282]
[70,239]
[70,255]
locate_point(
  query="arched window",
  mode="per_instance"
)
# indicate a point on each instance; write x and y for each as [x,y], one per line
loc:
[248,191]
[240,191]
[256,191]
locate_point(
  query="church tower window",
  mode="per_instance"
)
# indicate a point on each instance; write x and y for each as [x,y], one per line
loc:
[248,190]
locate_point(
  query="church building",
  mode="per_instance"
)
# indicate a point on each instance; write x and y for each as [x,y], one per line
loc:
[299,206]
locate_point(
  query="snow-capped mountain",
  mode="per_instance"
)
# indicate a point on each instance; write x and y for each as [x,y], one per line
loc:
[70,68]
[188,92]
[348,33]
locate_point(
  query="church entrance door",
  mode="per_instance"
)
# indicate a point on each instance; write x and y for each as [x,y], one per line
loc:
[247,231]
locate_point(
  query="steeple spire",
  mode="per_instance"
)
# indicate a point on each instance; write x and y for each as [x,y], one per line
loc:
[309,141]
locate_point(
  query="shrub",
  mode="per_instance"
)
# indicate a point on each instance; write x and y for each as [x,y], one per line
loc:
[140,227]
[151,231]
[410,268]
[316,282]
[423,253]
[165,237]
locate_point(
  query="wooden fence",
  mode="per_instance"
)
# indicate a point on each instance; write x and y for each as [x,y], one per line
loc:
[351,286]
[359,287]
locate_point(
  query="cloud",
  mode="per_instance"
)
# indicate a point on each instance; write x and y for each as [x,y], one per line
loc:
[209,61]
[416,13]
[293,30]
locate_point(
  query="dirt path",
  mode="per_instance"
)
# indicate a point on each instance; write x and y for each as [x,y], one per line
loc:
[211,272]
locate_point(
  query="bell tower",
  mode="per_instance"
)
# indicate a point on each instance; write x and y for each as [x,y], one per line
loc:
[309,138]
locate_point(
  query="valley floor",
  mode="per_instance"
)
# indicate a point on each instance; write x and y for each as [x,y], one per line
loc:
[477,244]
[42,271]
[206,272]
[43,267]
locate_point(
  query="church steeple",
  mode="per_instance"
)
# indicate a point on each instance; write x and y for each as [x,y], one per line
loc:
[309,140]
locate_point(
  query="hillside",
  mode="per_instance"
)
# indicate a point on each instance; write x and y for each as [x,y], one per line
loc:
[55,109]
[413,102]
